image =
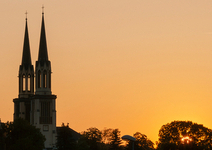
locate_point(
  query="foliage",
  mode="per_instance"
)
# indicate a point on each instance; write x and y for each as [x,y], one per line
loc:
[141,143]
[106,139]
[115,140]
[65,140]
[171,135]
[83,143]
[20,135]
[93,137]
[2,135]
[106,135]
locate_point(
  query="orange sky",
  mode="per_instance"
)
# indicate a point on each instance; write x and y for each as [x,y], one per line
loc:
[133,65]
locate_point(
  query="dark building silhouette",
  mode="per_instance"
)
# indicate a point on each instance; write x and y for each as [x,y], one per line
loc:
[38,107]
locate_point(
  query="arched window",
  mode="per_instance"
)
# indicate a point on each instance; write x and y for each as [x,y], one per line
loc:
[39,79]
[50,79]
[28,82]
[45,79]
[20,83]
[24,82]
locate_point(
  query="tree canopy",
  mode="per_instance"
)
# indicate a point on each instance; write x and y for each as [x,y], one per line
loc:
[93,137]
[115,140]
[141,143]
[20,135]
[184,134]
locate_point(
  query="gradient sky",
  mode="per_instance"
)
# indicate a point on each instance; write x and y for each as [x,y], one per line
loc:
[129,64]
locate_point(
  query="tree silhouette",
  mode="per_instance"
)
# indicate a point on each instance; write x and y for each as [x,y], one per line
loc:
[20,135]
[106,138]
[172,135]
[106,135]
[115,140]
[93,138]
[141,143]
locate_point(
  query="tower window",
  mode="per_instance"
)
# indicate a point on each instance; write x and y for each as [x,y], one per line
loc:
[45,79]
[45,115]
[24,82]
[39,79]
[28,83]
[50,79]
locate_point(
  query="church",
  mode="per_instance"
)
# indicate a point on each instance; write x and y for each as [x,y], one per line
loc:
[35,101]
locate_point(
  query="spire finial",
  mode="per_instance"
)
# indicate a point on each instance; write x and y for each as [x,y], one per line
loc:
[42,10]
[26,14]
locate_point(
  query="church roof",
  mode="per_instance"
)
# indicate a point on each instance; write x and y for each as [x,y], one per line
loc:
[26,57]
[75,135]
[43,54]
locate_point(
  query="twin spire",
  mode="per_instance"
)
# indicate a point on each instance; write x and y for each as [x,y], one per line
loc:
[26,58]
[42,55]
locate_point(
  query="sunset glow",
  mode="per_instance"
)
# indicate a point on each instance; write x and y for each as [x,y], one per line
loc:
[186,140]
[134,65]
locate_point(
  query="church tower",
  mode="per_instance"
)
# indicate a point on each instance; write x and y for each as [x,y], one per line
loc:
[38,107]
[22,104]
[43,111]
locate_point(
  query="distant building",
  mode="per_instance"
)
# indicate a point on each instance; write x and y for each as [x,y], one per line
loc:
[37,106]
[74,135]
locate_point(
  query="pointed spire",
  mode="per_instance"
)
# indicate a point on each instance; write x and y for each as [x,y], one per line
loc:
[43,54]
[26,57]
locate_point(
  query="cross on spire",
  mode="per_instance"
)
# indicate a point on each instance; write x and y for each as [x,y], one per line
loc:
[26,14]
[42,9]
